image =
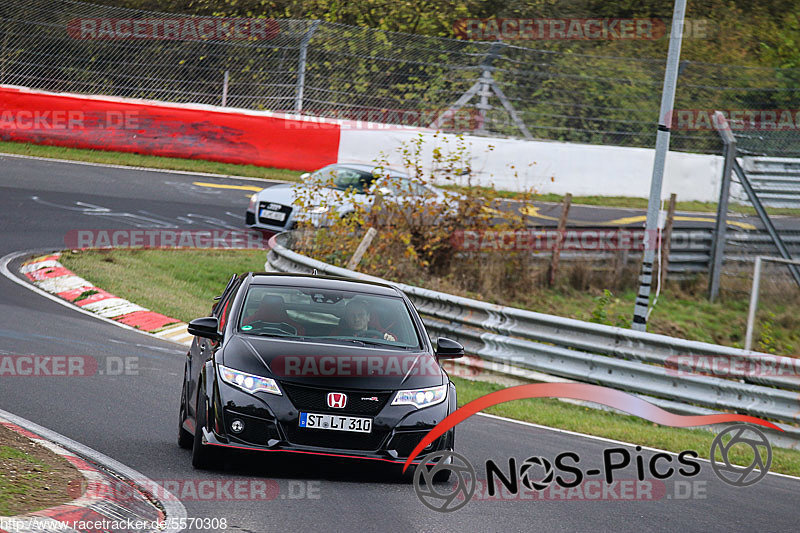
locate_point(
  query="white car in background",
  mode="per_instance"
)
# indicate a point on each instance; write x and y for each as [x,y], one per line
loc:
[334,191]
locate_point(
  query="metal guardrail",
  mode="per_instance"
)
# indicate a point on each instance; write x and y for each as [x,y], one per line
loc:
[775,180]
[639,362]
[690,250]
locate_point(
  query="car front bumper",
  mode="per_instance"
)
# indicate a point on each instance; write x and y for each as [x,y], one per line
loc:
[271,424]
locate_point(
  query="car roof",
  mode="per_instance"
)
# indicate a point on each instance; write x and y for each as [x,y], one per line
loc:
[371,168]
[322,282]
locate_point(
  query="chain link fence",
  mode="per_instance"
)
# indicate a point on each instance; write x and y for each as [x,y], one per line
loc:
[334,70]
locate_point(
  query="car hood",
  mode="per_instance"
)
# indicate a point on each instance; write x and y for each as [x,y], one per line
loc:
[332,365]
[287,193]
[284,193]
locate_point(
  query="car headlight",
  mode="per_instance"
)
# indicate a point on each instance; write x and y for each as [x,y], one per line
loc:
[248,382]
[421,397]
[319,210]
[253,202]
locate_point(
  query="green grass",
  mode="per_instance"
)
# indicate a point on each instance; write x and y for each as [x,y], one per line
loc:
[182,284]
[227,169]
[562,415]
[178,283]
[140,160]
[11,493]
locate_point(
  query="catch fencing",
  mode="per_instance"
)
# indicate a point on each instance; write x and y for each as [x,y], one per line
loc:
[334,70]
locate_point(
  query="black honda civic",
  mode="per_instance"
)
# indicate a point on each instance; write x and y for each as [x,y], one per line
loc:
[313,364]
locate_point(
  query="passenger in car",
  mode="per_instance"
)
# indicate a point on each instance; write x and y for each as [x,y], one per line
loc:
[272,310]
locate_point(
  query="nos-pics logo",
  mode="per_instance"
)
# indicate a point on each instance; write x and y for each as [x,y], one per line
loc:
[446,481]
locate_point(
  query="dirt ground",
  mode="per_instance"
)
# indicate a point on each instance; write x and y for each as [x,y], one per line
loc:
[32,477]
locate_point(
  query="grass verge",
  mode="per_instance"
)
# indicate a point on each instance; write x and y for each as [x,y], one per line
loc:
[182,283]
[178,283]
[32,477]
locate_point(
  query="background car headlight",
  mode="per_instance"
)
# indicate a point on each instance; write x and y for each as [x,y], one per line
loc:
[248,382]
[421,397]
[253,202]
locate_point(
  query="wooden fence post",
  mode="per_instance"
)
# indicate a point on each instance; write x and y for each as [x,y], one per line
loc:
[666,239]
[562,224]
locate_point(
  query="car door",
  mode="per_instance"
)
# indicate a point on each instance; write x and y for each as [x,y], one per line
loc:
[202,349]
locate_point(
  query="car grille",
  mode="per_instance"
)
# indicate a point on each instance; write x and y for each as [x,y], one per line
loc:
[283,209]
[316,400]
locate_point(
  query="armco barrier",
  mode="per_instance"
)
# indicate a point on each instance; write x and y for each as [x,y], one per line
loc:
[595,353]
[163,129]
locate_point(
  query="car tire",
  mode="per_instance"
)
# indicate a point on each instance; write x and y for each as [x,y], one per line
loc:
[185,439]
[201,453]
[442,476]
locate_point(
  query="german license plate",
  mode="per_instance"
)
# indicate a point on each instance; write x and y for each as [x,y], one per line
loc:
[273,215]
[335,422]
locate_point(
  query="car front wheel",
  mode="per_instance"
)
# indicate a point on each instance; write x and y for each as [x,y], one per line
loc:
[202,454]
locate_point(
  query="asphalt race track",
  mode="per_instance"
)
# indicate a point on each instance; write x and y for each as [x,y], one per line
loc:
[133,418]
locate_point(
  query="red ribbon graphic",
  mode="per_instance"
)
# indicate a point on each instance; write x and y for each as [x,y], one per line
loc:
[579,391]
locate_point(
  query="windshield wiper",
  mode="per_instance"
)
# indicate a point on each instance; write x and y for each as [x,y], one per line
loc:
[365,342]
[287,336]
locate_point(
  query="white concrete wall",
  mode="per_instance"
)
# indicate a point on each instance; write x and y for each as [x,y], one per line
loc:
[549,167]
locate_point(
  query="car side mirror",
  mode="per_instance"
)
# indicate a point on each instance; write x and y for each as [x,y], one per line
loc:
[205,327]
[448,349]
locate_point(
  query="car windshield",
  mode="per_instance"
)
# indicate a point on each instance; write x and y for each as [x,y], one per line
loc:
[343,178]
[346,317]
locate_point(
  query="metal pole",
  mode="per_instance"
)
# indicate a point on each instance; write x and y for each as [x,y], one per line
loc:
[301,68]
[225,89]
[718,250]
[751,314]
[662,145]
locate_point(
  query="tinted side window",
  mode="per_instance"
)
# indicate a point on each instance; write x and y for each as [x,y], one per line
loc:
[222,309]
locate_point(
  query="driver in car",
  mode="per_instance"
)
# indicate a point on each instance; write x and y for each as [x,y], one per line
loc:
[356,323]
